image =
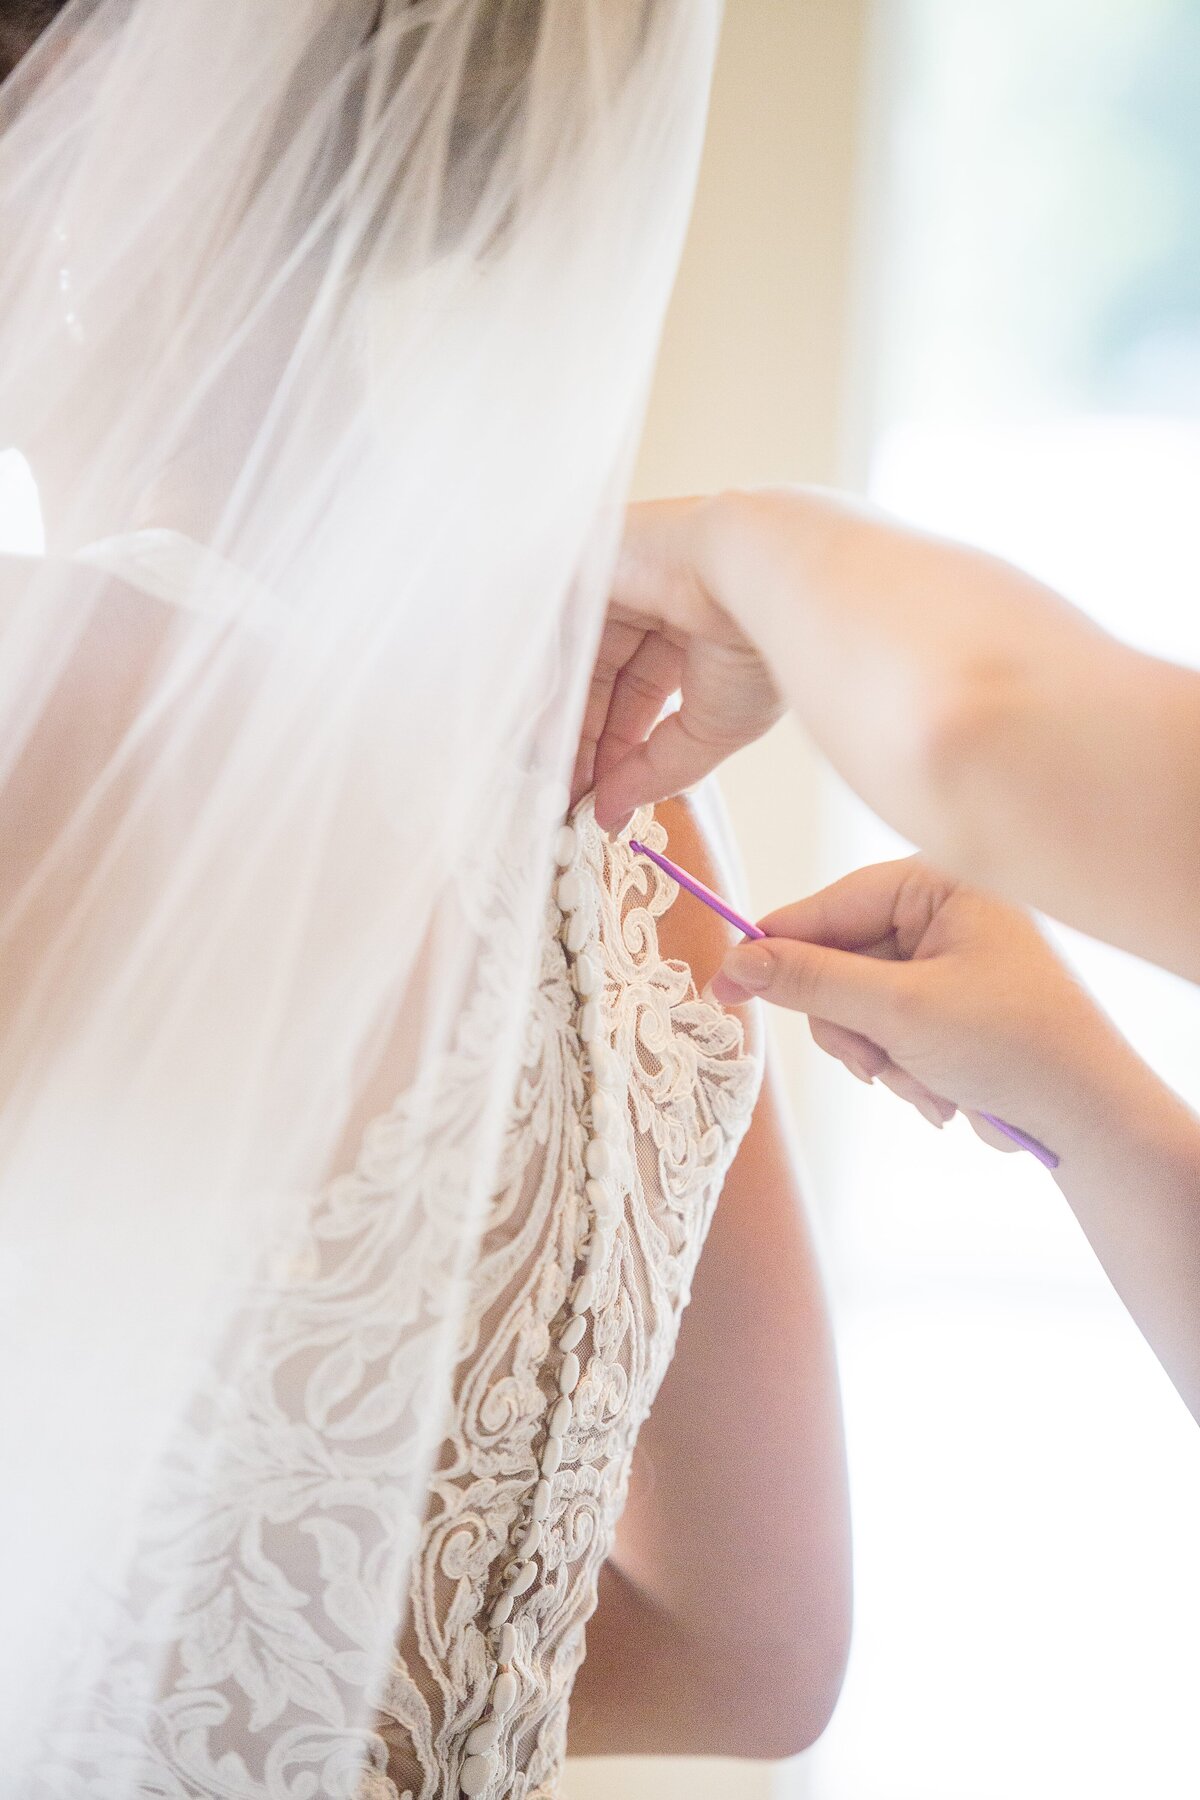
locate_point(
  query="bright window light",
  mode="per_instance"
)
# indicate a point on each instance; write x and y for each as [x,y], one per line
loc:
[1026,1484]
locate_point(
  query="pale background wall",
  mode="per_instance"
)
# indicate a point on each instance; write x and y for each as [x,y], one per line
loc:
[757,384]
[760,378]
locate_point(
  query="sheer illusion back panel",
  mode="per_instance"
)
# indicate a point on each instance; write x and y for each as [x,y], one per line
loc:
[686,1093]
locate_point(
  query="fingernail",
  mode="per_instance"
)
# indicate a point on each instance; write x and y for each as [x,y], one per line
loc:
[750,966]
[861,1072]
[928,1111]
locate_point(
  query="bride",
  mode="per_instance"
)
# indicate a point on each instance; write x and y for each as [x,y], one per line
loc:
[363,1115]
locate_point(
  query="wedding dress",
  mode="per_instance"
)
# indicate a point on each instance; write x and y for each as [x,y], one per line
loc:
[673,1089]
[632,1097]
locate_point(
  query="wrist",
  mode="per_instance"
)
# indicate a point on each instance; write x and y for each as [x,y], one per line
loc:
[1116,1101]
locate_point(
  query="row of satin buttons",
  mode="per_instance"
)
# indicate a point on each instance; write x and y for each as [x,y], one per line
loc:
[482,1759]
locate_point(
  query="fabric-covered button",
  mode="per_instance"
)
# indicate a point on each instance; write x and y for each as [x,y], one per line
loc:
[523,1580]
[504,1694]
[477,1773]
[607,1116]
[597,1256]
[501,1611]
[571,1333]
[598,1158]
[568,890]
[592,1028]
[560,1416]
[585,975]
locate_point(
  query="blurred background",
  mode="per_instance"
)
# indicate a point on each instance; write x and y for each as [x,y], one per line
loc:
[950,254]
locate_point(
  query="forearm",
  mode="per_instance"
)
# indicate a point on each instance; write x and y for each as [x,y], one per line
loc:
[1130,1171]
[979,713]
[1129,1168]
[1080,794]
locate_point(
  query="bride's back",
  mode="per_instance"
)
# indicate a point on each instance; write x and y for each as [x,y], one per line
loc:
[623,1125]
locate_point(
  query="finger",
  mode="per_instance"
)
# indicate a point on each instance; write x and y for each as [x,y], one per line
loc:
[670,760]
[860,1055]
[906,1087]
[861,993]
[851,914]
[640,691]
[619,644]
[727,699]
[870,1064]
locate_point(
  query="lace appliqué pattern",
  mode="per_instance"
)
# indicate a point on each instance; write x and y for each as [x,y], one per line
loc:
[282,1610]
[690,1093]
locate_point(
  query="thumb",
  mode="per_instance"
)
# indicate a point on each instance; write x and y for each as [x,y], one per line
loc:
[859,992]
[671,759]
[727,698]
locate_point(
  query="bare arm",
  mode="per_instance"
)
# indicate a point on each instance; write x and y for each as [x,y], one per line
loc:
[974,709]
[724,1613]
[1024,749]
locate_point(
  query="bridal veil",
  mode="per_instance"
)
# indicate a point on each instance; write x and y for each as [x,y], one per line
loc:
[325,327]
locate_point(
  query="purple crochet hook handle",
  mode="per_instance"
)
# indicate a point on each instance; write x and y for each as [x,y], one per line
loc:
[698,888]
[688,882]
[1022,1140]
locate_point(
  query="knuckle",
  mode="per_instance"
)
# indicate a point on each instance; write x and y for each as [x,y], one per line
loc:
[642,687]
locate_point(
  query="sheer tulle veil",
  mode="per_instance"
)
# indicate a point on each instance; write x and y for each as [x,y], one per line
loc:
[325,327]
